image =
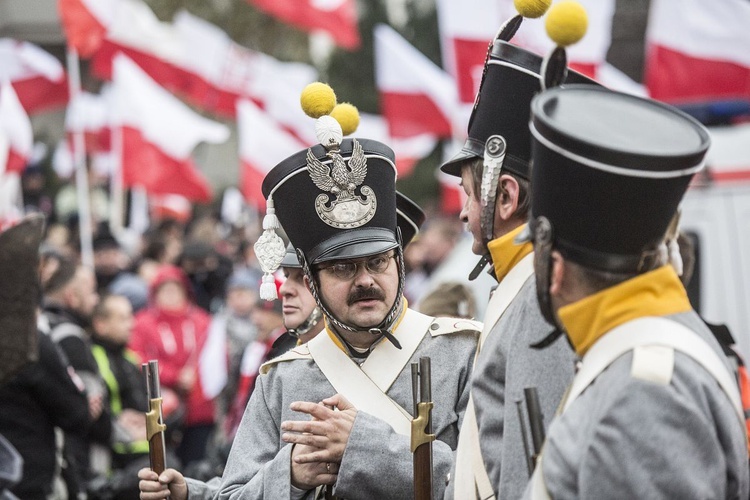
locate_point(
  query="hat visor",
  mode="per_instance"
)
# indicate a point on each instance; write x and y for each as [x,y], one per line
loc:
[471,150]
[353,245]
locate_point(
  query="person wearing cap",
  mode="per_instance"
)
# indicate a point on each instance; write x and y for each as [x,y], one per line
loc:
[653,411]
[337,204]
[302,318]
[494,166]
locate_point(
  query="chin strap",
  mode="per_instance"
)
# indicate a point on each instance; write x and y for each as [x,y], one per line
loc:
[542,232]
[384,328]
[483,261]
[307,325]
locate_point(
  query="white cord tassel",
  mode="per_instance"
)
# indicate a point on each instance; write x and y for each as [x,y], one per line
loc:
[268,288]
[270,251]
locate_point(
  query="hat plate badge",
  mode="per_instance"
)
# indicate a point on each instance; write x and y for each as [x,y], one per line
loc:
[347,210]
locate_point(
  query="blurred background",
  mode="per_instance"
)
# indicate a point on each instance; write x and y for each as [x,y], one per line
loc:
[175,109]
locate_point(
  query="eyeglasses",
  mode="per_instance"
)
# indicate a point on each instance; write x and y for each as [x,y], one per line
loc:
[348,269]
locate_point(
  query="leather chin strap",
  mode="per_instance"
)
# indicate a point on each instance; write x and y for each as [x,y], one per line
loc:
[543,272]
[384,328]
[310,322]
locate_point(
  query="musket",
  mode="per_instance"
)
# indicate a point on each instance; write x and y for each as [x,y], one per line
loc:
[536,426]
[154,421]
[421,428]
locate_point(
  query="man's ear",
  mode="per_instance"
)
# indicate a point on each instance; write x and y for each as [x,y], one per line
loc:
[557,274]
[507,197]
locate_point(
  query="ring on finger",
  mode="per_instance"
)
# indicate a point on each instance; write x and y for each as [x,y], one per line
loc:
[328,467]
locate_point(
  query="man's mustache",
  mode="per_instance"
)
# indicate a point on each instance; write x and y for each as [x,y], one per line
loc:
[365,294]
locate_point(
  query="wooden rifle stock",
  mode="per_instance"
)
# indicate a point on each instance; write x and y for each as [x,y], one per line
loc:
[421,429]
[154,422]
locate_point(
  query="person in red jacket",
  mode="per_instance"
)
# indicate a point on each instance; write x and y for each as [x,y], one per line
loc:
[172,330]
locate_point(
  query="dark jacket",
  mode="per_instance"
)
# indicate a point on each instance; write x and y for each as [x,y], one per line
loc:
[68,331]
[41,397]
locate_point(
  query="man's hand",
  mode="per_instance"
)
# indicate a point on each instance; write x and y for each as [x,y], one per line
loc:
[170,484]
[309,475]
[327,433]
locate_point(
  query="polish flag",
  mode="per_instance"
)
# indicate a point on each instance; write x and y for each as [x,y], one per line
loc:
[698,50]
[37,76]
[90,114]
[417,97]
[338,18]
[199,62]
[158,135]
[85,23]
[467,28]
[16,129]
[263,144]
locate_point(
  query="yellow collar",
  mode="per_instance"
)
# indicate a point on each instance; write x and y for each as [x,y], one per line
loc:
[506,253]
[337,340]
[656,293]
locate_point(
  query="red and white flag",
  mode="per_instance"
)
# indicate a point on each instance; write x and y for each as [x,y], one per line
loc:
[37,76]
[15,128]
[338,18]
[417,97]
[159,133]
[86,22]
[90,114]
[467,28]
[199,62]
[698,50]
[263,144]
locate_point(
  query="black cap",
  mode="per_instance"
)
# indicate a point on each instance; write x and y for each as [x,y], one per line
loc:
[358,221]
[502,107]
[409,218]
[609,172]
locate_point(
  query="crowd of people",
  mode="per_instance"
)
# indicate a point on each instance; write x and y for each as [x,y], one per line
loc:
[572,204]
[187,296]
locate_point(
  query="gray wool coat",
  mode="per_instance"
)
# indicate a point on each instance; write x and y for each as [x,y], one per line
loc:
[629,438]
[377,462]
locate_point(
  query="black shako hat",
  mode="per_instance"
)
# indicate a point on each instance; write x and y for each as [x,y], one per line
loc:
[409,218]
[502,107]
[609,171]
[337,202]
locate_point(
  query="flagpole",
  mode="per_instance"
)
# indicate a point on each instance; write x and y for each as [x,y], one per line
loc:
[116,224]
[79,160]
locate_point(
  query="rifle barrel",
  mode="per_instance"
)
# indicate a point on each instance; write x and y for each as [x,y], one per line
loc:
[154,421]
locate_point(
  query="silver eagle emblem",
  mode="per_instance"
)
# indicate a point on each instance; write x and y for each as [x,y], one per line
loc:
[348,210]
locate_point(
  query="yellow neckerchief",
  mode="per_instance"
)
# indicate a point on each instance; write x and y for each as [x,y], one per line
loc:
[506,253]
[340,345]
[655,293]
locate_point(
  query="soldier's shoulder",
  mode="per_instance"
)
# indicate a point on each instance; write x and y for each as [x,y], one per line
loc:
[301,352]
[448,325]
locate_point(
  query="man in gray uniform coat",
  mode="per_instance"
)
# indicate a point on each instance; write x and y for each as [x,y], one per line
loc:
[494,169]
[654,410]
[302,318]
[333,411]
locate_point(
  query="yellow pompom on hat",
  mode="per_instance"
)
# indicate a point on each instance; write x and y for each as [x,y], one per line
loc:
[348,117]
[532,9]
[566,23]
[317,99]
